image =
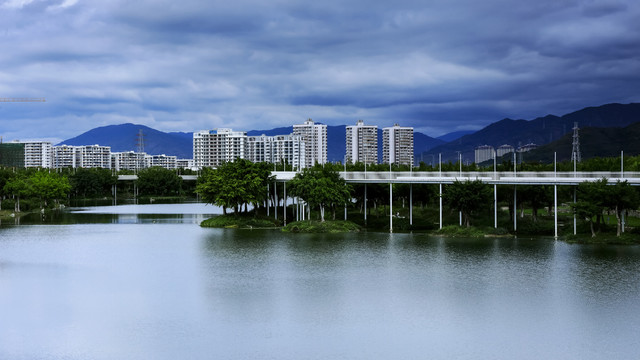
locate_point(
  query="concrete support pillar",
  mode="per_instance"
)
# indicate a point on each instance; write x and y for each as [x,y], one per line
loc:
[555,211]
[495,206]
[390,207]
[515,209]
[284,204]
[440,206]
[365,204]
[575,225]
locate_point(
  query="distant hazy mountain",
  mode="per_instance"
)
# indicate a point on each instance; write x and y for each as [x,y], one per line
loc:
[539,131]
[124,138]
[454,135]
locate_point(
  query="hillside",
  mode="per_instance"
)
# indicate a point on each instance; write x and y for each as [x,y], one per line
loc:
[594,142]
[542,130]
[124,137]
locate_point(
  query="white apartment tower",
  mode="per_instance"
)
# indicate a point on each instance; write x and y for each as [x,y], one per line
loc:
[94,156]
[504,149]
[65,156]
[163,161]
[315,138]
[397,145]
[128,160]
[212,148]
[38,154]
[362,143]
[276,149]
[484,153]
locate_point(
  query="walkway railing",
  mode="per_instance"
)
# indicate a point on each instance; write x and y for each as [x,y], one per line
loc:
[448,177]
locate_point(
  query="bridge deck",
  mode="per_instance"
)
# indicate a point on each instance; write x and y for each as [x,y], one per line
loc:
[448,177]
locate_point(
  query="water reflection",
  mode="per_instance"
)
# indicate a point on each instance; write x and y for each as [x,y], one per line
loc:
[149,283]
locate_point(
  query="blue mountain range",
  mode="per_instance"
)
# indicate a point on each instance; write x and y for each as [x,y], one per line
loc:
[125,137]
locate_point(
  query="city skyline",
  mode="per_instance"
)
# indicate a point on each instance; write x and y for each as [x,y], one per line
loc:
[438,67]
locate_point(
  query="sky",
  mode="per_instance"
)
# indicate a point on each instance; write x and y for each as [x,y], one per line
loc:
[437,65]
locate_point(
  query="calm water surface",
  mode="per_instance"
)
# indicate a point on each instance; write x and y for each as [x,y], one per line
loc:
[145,282]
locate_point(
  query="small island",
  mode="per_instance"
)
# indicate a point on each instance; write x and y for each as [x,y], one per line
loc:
[314,226]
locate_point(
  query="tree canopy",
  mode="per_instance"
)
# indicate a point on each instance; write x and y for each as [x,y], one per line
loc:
[158,181]
[467,197]
[92,182]
[321,187]
[234,184]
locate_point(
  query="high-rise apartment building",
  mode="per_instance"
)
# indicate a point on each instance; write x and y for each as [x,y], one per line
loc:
[65,156]
[94,156]
[128,160]
[212,148]
[163,161]
[87,156]
[314,137]
[362,143]
[38,154]
[484,153]
[276,149]
[504,149]
[397,145]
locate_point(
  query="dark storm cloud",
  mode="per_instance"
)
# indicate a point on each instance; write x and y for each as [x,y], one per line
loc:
[438,65]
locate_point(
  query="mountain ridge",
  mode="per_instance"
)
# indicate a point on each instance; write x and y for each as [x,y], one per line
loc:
[540,131]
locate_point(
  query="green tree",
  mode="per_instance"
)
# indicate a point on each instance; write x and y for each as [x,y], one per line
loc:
[321,187]
[158,181]
[18,187]
[5,176]
[92,182]
[234,184]
[537,196]
[591,201]
[467,197]
[621,197]
[48,186]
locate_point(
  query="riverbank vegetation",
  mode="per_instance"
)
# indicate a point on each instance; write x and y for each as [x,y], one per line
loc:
[243,221]
[315,226]
[603,211]
[35,189]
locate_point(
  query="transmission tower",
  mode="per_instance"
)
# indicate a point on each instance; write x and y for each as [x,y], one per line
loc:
[140,141]
[575,153]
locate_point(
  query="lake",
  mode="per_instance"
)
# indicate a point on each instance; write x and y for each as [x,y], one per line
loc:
[146,282]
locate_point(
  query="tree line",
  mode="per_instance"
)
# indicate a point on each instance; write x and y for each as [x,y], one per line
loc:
[241,183]
[30,188]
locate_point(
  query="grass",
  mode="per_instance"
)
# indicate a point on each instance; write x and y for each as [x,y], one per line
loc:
[472,231]
[240,221]
[329,226]
[627,238]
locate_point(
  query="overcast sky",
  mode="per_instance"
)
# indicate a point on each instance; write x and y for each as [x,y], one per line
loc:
[437,65]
